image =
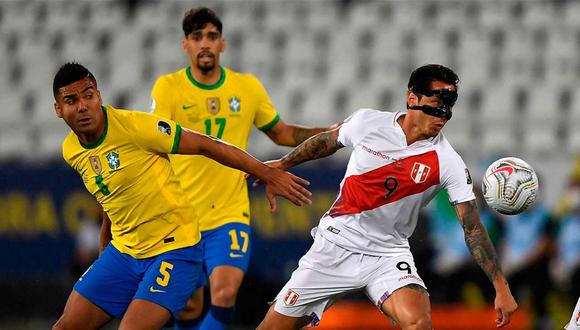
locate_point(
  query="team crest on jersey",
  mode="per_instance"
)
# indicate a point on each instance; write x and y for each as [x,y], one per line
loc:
[96,164]
[113,159]
[213,105]
[420,172]
[290,297]
[234,104]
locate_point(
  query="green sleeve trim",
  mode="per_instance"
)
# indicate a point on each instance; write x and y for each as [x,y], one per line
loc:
[103,136]
[204,86]
[177,139]
[270,124]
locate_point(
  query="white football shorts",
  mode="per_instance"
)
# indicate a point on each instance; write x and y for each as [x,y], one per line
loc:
[327,272]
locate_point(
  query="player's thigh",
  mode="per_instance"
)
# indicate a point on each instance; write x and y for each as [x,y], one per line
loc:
[394,286]
[325,273]
[227,245]
[277,321]
[171,278]
[409,305]
[144,315]
[110,282]
[80,313]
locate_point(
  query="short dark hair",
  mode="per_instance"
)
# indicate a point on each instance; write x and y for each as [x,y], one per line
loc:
[422,77]
[69,73]
[198,18]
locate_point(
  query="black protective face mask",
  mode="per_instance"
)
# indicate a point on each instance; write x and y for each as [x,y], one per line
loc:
[447,97]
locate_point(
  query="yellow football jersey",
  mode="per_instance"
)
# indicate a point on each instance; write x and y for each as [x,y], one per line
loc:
[128,172]
[226,110]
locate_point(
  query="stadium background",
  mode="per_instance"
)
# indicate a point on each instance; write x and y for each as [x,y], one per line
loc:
[518,62]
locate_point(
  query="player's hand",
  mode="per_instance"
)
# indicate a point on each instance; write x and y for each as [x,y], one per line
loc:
[505,306]
[272,163]
[287,185]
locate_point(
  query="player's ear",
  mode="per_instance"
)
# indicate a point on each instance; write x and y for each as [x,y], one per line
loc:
[184,45]
[57,110]
[223,45]
[412,98]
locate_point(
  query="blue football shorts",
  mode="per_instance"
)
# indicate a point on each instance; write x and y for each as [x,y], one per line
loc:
[168,279]
[228,245]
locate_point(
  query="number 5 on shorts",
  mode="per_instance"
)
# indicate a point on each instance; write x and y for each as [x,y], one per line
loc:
[163,280]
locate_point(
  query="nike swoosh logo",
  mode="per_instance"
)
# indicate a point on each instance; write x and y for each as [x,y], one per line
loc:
[234,255]
[185,107]
[507,169]
[152,289]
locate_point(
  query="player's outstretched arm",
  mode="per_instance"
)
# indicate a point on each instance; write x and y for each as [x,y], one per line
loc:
[318,146]
[483,252]
[292,135]
[280,182]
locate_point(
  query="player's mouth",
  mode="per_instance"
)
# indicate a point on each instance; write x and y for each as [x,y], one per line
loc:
[205,56]
[83,121]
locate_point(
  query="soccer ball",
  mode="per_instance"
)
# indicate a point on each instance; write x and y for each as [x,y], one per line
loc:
[510,185]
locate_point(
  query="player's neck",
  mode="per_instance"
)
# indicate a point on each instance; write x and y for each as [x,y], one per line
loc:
[412,132]
[208,78]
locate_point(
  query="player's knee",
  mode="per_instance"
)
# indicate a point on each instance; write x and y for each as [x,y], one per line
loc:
[59,325]
[191,311]
[419,321]
[224,296]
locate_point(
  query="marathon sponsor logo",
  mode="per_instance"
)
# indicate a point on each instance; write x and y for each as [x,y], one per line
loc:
[290,297]
[406,277]
[376,153]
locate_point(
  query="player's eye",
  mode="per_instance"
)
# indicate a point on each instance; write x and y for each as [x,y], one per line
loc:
[196,36]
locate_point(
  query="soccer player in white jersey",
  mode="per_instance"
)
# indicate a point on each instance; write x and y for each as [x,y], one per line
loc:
[399,162]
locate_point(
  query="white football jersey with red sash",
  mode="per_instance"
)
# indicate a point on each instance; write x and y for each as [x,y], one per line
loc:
[387,182]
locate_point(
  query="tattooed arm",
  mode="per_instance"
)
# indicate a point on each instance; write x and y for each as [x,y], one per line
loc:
[484,254]
[292,135]
[319,146]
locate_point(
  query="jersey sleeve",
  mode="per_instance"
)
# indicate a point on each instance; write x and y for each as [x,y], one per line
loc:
[156,134]
[162,100]
[456,179]
[352,130]
[266,115]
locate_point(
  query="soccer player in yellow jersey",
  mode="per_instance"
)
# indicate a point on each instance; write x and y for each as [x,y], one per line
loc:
[153,262]
[214,100]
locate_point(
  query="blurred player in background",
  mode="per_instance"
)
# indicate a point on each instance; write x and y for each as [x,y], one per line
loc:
[217,101]
[153,263]
[400,161]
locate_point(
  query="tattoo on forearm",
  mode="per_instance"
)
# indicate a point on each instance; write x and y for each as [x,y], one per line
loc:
[301,134]
[479,243]
[318,146]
